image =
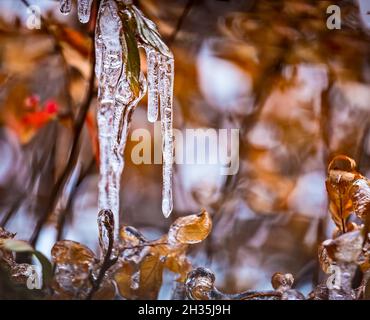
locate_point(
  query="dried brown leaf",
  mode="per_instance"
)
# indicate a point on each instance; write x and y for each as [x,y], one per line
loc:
[190,229]
[348,190]
[345,248]
[123,278]
[151,270]
[5,255]
[72,253]
[107,291]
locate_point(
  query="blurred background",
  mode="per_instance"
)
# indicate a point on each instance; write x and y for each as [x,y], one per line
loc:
[298,92]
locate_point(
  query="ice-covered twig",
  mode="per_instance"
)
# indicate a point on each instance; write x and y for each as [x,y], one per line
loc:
[200,285]
[120,30]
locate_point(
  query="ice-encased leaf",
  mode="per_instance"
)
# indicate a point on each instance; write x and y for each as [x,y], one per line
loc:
[151,270]
[349,192]
[74,263]
[68,252]
[132,244]
[123,279]
[107,291]
[132,56]
[5,255]
[141,281]
[21,272]
[190,229]
[324,259]
[345,248]
[149,33]
[360,195]
[338,183]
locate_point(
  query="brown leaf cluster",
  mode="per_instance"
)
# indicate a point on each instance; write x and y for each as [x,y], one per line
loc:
[141,269]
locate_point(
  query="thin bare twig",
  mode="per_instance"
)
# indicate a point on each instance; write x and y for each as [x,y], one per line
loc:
[180,22]
[13,208]
[73,157]
[45,25]
[62,217]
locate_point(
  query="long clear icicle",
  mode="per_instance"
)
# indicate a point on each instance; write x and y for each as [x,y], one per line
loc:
[160,92]
[84,10]
[166,77]
[109,65]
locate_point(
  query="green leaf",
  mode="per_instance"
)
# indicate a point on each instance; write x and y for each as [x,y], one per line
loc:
[47,269]
[148,32]
[16,246]
[132,55]
[23,246]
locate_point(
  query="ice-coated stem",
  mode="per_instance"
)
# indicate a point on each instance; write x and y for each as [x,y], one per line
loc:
[108,192]
[109,67]
[117,98]
[117,101]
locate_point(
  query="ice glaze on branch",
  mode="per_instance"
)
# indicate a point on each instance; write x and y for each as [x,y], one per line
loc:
[120,30]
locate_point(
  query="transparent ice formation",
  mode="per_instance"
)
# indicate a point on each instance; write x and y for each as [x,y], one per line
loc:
[117,99]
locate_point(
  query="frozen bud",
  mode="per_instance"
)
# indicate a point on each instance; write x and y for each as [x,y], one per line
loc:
[199,284]
[282,282]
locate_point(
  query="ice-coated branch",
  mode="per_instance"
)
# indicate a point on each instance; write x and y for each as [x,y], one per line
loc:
[200,285]
[121,29]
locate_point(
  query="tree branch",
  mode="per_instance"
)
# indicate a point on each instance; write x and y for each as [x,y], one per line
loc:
[73,157]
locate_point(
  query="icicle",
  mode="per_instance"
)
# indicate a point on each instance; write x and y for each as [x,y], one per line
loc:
[117,99]
[166,78]
[65,6]
[117,102]
[153,81]
[109,64]
[84,10]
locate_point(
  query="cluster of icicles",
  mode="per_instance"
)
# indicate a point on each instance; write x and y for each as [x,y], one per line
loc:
[117,100]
